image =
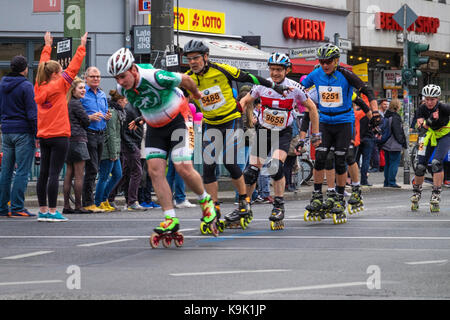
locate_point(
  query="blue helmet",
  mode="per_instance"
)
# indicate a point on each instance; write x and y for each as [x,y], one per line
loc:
[279,59]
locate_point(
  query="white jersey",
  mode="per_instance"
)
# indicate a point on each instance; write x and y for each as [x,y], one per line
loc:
[277,111]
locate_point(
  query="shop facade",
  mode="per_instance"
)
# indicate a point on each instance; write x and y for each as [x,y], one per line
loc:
[378,45]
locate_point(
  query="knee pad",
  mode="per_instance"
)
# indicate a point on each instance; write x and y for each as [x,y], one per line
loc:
[234,170]
[329,164]
[420,170]
[251,174]
[436,166]
[350,156]
[321,158]
[209,173]
[276,169]
[340,162]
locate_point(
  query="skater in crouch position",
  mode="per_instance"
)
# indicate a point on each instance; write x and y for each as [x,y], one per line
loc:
[274,124]
[164,108]
[433,115]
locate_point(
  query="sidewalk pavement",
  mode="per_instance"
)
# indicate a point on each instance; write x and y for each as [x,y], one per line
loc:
[227,194]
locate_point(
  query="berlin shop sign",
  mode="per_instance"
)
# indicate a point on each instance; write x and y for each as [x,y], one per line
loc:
[386,21]
[303,29]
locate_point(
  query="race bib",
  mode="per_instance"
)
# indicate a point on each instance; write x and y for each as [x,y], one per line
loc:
[330,97]
[275,118]
[212,99]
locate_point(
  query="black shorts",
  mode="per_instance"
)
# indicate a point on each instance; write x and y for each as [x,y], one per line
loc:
[338,136]
[175,138]
[78,151]
[266,141]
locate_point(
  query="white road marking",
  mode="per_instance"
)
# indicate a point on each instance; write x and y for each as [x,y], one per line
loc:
[324,286]
[226,272]
[29,282]
[427,262]
[103,242]
[26,255]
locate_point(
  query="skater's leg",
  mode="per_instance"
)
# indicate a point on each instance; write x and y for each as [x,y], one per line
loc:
[190,176]
[157,172]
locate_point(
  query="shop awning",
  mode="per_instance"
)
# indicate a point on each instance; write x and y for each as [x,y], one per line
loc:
[231,51]
[301,65]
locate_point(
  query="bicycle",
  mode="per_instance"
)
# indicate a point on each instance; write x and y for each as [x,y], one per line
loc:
[302,171]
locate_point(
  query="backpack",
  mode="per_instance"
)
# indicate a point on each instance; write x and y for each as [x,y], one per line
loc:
[385,129]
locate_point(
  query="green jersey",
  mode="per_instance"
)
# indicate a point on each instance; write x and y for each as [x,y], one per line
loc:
[156,95]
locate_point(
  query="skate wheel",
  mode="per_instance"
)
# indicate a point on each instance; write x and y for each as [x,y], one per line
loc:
[204,228]
[306,215]
[414,207]
[243,223]
[272,225]
[221,226]
[154,240]
[166,241]
[213,228]
[178,239]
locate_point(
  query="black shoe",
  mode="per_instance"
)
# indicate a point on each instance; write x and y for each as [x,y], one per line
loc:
[82,211]
[395,186]
[366,184]
[68,211]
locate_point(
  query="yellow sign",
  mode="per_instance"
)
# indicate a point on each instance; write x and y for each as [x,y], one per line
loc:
[198,20]
[362,71]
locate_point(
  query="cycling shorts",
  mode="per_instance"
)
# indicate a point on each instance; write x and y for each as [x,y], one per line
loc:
[266,141]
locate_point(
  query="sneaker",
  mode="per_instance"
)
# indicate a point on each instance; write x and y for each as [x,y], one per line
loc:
[105,206]
[42,216]
[56,217]
[94,208]
[113,205]
[146,205]
[136,207]
[153,204]
[258,199]
[268,199]
[22,213]
[68,211]
[185,204]
[446,183]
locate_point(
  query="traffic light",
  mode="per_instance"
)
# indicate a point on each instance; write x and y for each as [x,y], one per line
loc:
[415,60]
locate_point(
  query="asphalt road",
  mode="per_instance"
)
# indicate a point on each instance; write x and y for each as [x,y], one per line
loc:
[385,252]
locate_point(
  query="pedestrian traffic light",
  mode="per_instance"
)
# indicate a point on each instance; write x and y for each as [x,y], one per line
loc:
[415,60]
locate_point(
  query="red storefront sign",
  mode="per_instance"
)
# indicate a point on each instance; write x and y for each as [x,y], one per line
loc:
[384,21]
[145,6]
[303,29]
[46,5]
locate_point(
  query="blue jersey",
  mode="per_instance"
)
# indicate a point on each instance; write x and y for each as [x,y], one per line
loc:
[334,94]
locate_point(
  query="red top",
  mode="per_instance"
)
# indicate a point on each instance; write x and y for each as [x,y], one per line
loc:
[53,113]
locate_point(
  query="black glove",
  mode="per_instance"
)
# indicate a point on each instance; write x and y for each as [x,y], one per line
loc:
[280,88]
[376,119]
[300,145]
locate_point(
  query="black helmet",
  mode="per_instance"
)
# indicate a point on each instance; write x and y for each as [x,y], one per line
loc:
[195,46]
[328,51]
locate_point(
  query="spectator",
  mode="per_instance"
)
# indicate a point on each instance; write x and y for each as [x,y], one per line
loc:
[94,101]
[130,149]
[383,105]
[394,145]
[145,189]
[52,85]
[18,114]
[78,152]
[367,140]
[110,170]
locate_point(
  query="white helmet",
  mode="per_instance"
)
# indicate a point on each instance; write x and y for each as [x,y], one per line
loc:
[431,90]
[120,61]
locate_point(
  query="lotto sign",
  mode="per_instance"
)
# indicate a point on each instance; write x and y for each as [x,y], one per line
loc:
[206,21]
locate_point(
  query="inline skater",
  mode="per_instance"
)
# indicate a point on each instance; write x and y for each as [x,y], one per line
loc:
[433,115]
[334,87]
[276,116]
[164,108]
[221,115]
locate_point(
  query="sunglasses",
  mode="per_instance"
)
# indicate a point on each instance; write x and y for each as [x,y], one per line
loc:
[326,61]
[194,57]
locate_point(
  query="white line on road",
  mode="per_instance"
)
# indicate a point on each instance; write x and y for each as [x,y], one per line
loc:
[29,282]
[324,286]
[427,262]
[103,242]
[26,255]
[226,272]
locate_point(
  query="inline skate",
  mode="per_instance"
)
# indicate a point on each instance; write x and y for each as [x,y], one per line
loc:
[314,208]
[338,212]
[166,233]
[209,217]
[355,203]
[435,199]
[277,215]
[415,198]
[329,204]
[241,216]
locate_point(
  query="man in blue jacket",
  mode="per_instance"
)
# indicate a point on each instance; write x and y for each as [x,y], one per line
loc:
[18,114]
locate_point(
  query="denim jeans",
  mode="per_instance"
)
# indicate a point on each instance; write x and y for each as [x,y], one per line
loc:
[18,148]
[176,183]
[365,149]
[390,169]
[106,182]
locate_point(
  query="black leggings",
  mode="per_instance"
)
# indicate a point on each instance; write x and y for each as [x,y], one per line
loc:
[53,155]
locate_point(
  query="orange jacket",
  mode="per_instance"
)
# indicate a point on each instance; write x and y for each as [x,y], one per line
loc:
[53,113]
[358,116]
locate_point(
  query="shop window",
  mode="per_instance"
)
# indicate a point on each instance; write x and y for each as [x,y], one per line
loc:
[9,50]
